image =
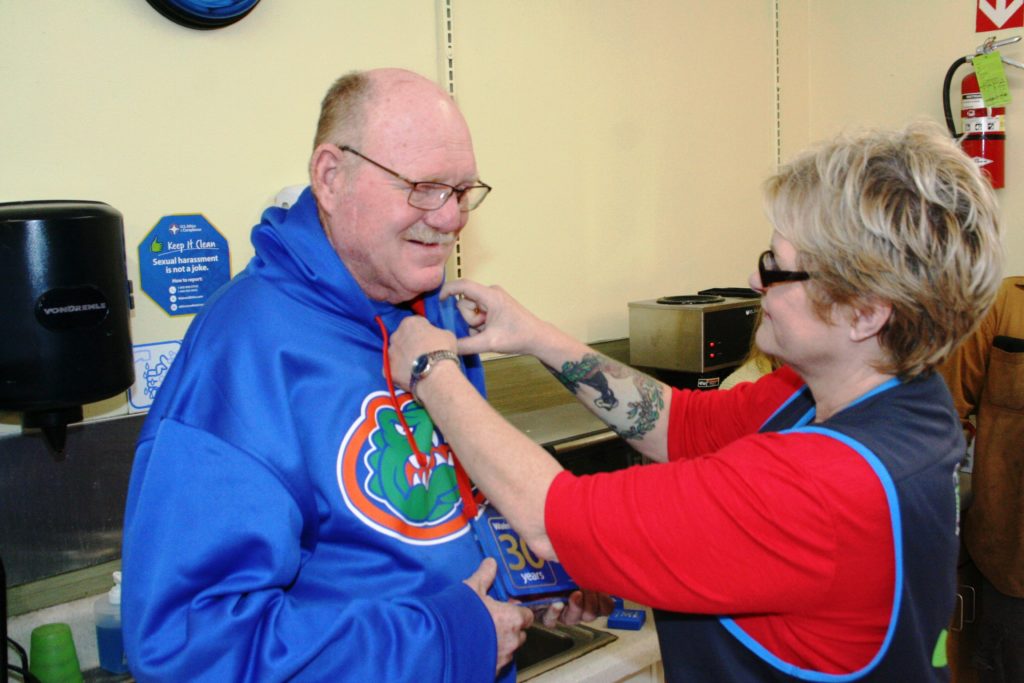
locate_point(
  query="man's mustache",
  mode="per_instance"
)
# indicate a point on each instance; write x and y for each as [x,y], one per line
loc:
[422,233]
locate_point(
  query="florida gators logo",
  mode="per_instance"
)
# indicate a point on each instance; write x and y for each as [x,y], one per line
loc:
[384,483]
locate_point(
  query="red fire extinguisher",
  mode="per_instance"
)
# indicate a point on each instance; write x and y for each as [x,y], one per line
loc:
[984,128]
[984,131]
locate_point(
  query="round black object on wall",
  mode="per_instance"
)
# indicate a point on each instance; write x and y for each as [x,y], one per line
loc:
[64,324]
[204,14]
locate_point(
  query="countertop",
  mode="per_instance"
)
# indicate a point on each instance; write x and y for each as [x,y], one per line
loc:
[634,651]
[558,424]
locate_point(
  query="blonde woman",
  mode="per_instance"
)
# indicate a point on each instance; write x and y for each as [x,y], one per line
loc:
[802,527]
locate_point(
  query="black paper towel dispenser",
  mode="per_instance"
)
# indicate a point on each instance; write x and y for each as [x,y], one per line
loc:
[64,322]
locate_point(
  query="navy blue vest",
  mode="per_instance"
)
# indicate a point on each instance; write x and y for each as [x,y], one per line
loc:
[911,437]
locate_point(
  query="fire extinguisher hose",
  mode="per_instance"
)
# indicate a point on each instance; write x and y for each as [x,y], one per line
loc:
[950,124]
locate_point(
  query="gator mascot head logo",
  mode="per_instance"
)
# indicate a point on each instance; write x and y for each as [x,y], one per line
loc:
[390,488]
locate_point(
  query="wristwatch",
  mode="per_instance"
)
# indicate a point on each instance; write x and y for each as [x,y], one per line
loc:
[422,366]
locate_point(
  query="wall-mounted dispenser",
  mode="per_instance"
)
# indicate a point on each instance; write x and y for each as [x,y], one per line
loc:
[64,311]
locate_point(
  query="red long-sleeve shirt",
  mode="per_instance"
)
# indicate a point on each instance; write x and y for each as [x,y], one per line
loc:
[789,533]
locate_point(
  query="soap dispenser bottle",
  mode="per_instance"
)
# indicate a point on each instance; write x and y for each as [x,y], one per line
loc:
[109,638]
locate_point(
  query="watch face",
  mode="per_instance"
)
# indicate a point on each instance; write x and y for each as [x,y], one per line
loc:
[420,365]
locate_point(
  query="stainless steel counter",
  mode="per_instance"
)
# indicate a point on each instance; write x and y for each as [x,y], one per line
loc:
[559,424]
[631,653]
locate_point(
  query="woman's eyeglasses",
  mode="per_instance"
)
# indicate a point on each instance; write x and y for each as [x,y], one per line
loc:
[770,273]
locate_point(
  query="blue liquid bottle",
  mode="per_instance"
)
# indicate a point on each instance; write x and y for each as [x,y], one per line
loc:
[109,638]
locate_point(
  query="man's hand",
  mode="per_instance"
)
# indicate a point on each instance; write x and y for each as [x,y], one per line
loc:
[414,337]
[497,322]
[510,621]
[582,606]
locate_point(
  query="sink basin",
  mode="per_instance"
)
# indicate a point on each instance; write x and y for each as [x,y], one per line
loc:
[546,648]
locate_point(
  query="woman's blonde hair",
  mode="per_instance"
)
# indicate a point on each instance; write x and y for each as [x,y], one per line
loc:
[903,217]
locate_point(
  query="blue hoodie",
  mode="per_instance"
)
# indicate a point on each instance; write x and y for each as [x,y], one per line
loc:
[278,525]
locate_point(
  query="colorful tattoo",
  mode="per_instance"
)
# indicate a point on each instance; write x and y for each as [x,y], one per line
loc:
[643,413]
[646,411]
[588,371]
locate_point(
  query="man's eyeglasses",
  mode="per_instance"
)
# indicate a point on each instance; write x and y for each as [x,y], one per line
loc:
[770,273]
[429,196]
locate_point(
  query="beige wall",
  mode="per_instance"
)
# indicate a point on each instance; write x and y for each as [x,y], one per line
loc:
[626,147]
[626,141]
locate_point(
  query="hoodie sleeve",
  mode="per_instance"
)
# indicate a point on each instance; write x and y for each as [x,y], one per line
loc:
[210,569]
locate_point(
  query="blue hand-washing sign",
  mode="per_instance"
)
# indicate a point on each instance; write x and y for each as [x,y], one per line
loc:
[183,261]
[152,361]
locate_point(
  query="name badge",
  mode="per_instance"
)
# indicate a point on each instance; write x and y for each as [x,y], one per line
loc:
[521,574]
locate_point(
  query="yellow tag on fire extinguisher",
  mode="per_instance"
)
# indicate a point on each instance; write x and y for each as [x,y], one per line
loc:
[992,79]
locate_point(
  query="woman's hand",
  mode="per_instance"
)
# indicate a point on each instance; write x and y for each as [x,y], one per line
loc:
[497,321]
[582,606]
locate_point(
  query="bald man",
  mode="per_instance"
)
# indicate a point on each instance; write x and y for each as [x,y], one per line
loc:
[291,515]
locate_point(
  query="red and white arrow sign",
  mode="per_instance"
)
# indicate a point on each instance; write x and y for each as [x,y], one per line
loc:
[994,15]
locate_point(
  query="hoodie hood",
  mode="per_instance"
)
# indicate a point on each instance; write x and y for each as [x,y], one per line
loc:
[294,254]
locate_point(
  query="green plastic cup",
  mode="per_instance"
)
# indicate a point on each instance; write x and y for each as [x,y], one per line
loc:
[52,656]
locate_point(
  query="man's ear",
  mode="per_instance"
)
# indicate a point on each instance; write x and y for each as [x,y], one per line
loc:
[868,318]
[324,168]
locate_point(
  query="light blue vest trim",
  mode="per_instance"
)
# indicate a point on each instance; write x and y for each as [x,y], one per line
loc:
[796,394]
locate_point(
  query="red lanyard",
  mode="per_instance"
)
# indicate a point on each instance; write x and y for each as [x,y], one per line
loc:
[469,504]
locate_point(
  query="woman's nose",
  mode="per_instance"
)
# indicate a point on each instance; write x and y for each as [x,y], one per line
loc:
[755,283]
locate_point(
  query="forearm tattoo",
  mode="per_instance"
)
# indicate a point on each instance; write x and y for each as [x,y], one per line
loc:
[644,411]
[640,415]
[588,371]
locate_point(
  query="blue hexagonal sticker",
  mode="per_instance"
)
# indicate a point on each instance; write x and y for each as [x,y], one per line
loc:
[183,261]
